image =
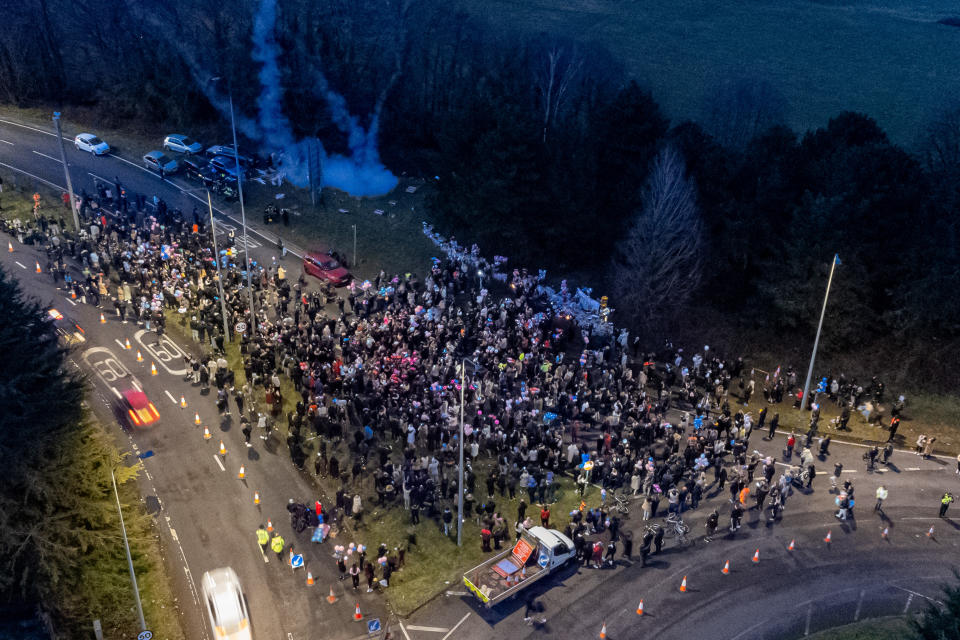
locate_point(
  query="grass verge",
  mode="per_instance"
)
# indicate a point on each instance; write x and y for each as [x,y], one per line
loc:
[889,628]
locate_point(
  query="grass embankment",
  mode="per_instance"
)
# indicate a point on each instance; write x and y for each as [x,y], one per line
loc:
[16,201]
[891,628]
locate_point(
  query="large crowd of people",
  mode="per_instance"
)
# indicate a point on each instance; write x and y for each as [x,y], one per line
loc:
[383,370]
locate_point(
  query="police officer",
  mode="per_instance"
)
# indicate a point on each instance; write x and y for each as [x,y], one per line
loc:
[944,503]
[276,544]
[263,538]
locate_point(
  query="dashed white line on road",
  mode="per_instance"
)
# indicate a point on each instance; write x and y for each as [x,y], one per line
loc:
[26,173]
[17,124]
[913,468]
[462,620]
[7,142]
[918,594]
[70,301]
[219,464]
[849,471]
[122,346]
[172,399]
[856,614]
[907,606]
[96,177]
[456,593]
[48,157]
[20,265]
[116,393]
[806,629]
[262,554]
[405,634]
[433,629]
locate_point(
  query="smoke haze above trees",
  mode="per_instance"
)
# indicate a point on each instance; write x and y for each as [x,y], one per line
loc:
[542,145]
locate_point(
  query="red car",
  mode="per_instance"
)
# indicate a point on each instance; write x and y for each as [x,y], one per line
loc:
[320,264]
[140,411]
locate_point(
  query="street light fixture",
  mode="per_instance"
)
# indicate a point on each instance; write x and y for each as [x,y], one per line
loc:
[804,401]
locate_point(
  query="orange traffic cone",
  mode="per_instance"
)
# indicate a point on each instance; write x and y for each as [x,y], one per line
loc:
[127,345]
[269,525]
[139,356]
[683,585]
[885,533]
[243,474]
[10,247]
[726,568]
[256,497]
[103,319]
[38,268]
[640,608]
[356,614]
[930,532]
[73,294]
[196,418]
[206,433]
[153,369]
[309,579]
[183,402]
[331,598]
[223,449]
[756,556]
[792,545]
[827,539]
[603,631]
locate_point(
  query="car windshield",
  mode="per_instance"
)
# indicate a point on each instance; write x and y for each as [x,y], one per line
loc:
[162,159]
[95,140]
[330,263]
[187,142]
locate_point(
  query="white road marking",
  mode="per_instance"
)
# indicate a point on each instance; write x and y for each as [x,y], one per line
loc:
[849,471]
[414,627]
[172,399]
[122,346]
[219,464]
[17,124]
[48,157]
[96,177]
[26,173]
[914,593]
[909,600]
[456,593]
[115,392]
[913,468]
[405,634]
[262,554]
[164,351]
[21,266]
[806,629]
[7,142]
[132,164]
[462,620]
[856,614]
[70,301]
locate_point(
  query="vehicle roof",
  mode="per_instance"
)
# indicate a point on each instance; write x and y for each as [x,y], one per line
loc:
[550,536]
[177,135]
[136,398]
[155,154]
[221,582]
[317,253]
[86,135]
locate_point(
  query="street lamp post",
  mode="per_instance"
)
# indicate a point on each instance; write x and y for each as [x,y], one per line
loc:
[216,258]
[354,265]
[243,217]
[126,543]
[66,170]
[463,385]
[804,401]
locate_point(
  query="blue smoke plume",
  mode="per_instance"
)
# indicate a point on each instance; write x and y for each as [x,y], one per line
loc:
[360,174]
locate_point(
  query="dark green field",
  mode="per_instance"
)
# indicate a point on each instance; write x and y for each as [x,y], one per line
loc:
[887,58]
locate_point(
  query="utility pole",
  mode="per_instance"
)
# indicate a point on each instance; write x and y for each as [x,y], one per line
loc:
[463,383]
[126,543]
[243,218]
[66,171]
[805,402]
[216,257]
[354,265]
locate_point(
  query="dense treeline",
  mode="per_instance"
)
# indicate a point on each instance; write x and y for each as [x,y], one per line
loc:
[60,539]
[542,149]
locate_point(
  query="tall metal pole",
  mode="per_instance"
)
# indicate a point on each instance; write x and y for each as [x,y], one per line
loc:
[66,171]
[463,383]
[243,217]
[804,402]
[126,543]
[354,265]
[216,258]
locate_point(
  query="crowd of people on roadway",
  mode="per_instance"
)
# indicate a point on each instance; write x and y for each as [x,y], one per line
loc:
[383,371]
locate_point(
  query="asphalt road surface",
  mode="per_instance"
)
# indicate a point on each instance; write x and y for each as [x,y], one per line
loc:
[205,514]
[207,517]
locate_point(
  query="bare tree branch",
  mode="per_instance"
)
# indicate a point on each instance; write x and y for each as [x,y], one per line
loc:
[658,264]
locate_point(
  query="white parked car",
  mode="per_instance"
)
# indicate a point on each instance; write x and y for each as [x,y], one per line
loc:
[181,144]
[91,143]
[157,160]
[229,619]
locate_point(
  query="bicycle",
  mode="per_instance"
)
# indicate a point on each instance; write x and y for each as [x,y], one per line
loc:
[621,504]
[676,527]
